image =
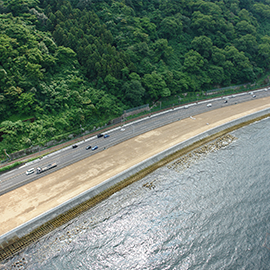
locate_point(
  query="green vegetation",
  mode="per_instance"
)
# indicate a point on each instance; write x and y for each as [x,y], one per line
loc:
[11,166]
[67,64]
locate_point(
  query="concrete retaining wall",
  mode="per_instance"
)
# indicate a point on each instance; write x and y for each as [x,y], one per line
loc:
[29,226]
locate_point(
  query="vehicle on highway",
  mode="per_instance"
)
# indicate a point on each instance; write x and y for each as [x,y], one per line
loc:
[74,146]
[254,96]
[46,168]
[226,101]
[30,171]
[106,135]
[94,148]
[88,147]
[100,135]
[209,105]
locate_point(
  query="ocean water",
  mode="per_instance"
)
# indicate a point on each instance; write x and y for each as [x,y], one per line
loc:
[212,214]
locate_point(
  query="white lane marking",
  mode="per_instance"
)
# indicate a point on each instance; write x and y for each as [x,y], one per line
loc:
[145,118]
[10,174]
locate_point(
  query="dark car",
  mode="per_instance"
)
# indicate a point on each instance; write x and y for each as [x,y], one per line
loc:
[106,135]
[94,148]
[100,135]
[88,147]
[74,146]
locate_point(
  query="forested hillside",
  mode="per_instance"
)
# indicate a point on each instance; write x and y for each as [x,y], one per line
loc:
[73,63]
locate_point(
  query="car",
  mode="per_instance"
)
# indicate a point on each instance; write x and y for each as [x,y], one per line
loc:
[30,171]
[74,146]
[254,96]
[209,105]
[94,148]
[226,101]
[88,147]
[106,135]
[100,135]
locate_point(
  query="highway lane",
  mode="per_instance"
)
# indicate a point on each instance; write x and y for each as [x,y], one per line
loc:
[17,177]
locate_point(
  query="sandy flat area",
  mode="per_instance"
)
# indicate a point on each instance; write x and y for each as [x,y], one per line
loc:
[31,200]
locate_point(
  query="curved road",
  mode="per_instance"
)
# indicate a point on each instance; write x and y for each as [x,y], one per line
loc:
[64,157]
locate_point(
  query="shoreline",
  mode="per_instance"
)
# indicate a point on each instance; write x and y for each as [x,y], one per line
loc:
[140,145]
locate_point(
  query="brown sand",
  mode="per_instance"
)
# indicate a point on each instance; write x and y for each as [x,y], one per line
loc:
[31,200]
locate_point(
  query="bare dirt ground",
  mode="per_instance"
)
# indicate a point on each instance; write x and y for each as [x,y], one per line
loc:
[33,199]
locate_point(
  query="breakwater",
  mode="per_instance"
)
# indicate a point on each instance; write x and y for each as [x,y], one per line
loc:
[32,230]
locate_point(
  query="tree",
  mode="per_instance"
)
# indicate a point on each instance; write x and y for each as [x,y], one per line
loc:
[18,7]
[134,92]
[193,62]
[60,124]
[218,56]
[65,55]
[171,27]
[6,48]
[11,128]
[246,4]
[264,52]
[34,72]
[247,43]
[107,106]
[112,85]
[244,28]
[203,45]
[168,7]
[148,27]
[155,85]
[242,70]
[59,35]
[263,11]
[202,24]
[161,50]
[25,103]
[216,74]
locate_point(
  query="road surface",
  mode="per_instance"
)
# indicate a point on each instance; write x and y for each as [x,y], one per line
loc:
[67,156]
[50,190]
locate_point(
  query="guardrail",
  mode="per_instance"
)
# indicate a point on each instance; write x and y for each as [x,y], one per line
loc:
[36,223]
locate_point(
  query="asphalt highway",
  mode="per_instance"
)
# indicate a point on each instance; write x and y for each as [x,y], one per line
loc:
[64,157]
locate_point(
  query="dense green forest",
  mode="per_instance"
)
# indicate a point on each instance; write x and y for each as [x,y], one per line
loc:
[67,64]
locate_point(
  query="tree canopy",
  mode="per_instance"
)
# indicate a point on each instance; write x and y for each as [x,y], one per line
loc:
[69,63]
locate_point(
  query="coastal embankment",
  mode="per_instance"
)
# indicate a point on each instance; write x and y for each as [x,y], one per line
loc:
[33,210]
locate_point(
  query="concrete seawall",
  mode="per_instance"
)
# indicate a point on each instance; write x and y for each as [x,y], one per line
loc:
[38,221]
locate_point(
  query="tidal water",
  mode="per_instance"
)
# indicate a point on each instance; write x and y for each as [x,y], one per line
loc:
[212,214]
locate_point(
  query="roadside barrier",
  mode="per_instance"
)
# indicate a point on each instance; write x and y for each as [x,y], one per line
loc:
[22,236]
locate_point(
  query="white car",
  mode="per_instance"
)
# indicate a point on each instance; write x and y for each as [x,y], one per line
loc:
[209,105]
[30,171]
